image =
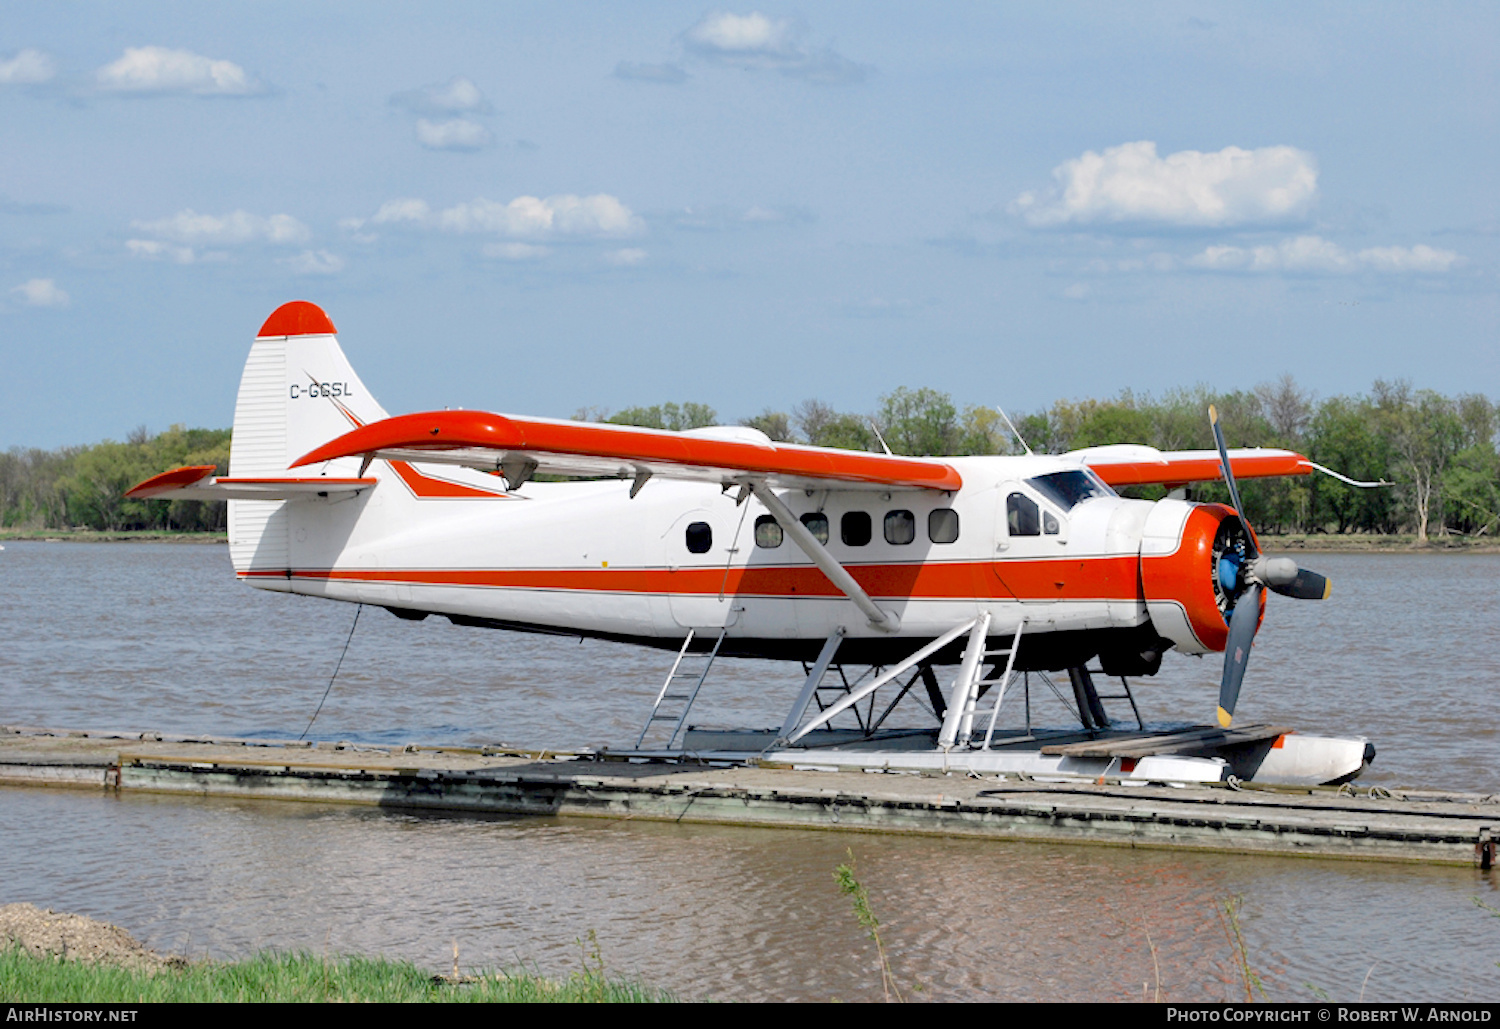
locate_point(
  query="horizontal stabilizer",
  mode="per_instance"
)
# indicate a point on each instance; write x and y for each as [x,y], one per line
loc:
[520,447]
[199,483]
[1130,465]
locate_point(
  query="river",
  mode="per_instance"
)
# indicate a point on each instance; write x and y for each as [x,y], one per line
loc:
[159,637]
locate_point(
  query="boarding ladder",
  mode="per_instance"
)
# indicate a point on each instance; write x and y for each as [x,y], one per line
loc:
[972,684]
[675,699]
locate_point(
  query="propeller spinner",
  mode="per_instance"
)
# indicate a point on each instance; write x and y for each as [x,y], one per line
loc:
[1244,573]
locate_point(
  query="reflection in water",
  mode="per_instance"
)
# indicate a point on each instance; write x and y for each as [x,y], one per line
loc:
[136,636]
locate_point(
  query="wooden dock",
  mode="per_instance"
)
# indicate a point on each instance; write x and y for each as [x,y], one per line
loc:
[1348,822]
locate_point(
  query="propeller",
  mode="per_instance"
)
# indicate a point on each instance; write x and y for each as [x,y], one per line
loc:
[1243,574]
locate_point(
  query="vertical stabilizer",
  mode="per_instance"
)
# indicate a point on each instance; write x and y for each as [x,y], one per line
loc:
[298,391]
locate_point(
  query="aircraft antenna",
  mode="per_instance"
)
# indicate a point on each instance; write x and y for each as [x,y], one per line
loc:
[1011,425]
[876,431]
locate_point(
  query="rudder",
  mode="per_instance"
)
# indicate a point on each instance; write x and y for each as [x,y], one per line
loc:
[298,390]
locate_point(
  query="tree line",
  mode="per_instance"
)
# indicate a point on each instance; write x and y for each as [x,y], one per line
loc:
[1439,452]
[84,487]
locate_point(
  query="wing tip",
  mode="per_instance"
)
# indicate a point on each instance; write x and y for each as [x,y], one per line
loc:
[166,482]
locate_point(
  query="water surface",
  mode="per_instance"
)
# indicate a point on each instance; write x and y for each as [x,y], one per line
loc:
[128,636]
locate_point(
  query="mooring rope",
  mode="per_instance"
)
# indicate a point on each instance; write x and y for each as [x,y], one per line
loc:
[335,674]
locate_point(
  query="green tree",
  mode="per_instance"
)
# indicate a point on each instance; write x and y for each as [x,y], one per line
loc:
[919,422]
[1424,431]
[775,424]
[673,417]
[1343,435]
[822,426]
[1471,489]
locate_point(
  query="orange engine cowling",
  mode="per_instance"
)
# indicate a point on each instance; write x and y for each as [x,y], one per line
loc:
[1182,550]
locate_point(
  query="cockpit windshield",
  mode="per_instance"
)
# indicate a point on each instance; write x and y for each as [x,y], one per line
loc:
[1069,489]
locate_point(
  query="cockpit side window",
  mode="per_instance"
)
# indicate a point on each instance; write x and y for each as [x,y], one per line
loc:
[1022,516]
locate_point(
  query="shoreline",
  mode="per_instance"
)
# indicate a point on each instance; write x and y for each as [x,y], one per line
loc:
[97,536]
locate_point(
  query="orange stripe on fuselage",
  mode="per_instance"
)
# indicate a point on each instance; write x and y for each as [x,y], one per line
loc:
[426,487]
[1104,578]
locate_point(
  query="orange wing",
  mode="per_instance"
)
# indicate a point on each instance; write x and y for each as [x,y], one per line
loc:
[521,446]
[1127,465]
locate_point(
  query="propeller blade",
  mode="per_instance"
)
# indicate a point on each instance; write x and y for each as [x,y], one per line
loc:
[1251,551]
[1306,586]
[1242,626]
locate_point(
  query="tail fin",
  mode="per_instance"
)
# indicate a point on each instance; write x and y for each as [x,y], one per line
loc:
[297,392]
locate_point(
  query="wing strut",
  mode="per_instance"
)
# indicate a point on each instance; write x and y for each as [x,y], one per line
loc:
[837,573]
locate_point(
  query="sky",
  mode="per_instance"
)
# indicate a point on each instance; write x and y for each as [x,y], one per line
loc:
[542,208]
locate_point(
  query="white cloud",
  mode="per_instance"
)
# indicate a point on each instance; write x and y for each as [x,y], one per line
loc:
[626,258]
[41,293]
[1420,258]
[27,68]
[154,248]
[741,37]
[237,227]
[756,41]
[157,69]
[1314,254]
[454,134]
[314,262]
[525,217]
[1131,184]
[665,74]
[515,251]
[458,96]
[403,210]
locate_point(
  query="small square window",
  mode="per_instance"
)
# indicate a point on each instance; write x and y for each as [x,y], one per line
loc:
[855,528]
[700,537]
[767,532]
[900,527]
[817,524]
[942,525]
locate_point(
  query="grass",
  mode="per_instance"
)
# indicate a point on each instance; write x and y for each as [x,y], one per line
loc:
[283,978]
[1229,921]
[852,888]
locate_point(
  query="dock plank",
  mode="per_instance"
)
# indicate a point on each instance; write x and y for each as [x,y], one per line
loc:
[1410,826]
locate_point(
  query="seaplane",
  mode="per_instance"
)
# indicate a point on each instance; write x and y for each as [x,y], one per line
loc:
[719,542]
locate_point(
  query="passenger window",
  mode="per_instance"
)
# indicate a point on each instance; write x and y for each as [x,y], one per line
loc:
[854,528]
[1022,517]
[900,527]
[817,524]
[942,525]
[1049,523]
[699,538]
[767,532]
